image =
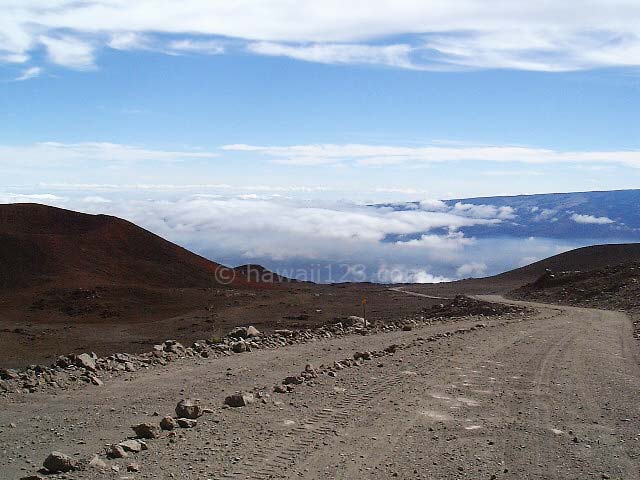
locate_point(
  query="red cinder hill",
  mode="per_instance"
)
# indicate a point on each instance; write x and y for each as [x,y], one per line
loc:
[45,245]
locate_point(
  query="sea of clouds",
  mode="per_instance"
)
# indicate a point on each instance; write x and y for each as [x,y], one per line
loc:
[322,241]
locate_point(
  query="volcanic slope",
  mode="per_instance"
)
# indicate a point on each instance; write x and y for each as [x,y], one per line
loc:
[42,245]
[581,259]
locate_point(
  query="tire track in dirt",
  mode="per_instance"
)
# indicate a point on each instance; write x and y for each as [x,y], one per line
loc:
[272,459]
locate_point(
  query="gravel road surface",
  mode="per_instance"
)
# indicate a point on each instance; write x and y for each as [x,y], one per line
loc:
[552,396]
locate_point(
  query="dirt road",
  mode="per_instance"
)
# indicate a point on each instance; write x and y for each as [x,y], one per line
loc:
[548,397]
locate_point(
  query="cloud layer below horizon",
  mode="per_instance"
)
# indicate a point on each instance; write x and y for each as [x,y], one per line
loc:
[324,241]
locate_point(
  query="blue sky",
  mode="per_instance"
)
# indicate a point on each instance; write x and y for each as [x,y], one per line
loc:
[280,74]
[121,107]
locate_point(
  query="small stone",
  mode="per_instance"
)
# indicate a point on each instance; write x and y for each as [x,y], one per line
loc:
[133,467]
[239,347]
[239,399]
[85,360]
[238,332]
[168,423]
[188,409]
[187,423]
[280,389]
[97,462]
[58,462]
[116,451]
[252,331]
[293,380]
[133,446]
[146,430]
[362,355]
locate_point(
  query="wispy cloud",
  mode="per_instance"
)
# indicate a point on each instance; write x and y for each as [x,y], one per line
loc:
[69,52]
[206,47]
[539,36]
[130,41]
[381,155]
[47,153]
[395,55]
[29,73]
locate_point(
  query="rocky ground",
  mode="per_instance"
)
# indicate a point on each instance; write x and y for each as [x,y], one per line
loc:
[36,327]
[508,395]
[614,287]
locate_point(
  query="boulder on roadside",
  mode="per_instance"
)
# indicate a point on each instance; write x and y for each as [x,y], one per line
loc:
[244,332]
[188,408]
[239,399]
[353,320]
[116,451]
[84,360]
[58,462]
[187,422]
[8,374]
[253,331]
[168,423]
[238,332]
[293,380]
[133,446]
[239,347]
[97,462]
[362,355]
[146,430]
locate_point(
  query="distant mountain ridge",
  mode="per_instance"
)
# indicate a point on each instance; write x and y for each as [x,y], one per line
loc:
[611,215]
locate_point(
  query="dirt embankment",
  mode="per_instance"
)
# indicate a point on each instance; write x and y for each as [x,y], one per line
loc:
[611,288]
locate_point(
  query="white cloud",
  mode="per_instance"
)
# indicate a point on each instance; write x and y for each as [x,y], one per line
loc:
[484,211]
[129,41]
[397,55]
[48,198]
[538,49]
[195,46]
[472,269]
[404,274]
[437,34]
[433,205]
[280,229]
[69,52]
[136,41]
[47,153]
[331,241]
[384,155]
[590,219]
[451,241]
[31,72]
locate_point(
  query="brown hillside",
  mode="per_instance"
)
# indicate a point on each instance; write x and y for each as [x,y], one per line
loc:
[46,245]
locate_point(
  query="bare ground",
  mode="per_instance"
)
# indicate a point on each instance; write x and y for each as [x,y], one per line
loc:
[553,396]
